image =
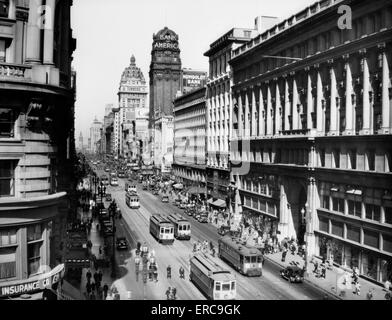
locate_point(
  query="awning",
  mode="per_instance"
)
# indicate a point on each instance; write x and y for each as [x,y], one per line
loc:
[196,190]
[210,201]
[219,203]
[178,186]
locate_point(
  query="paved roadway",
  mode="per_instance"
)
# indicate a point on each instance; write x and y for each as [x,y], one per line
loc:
[268,287]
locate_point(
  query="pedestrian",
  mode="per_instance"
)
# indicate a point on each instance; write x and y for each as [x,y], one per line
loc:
[88,275]
[182,272]
[93,286]
[155,273]
[168,293]
[284,253]
[315,267]
[100,275]
[369,295]
[105,291]
[96,276]
[323,270]
[88,288]
[100,250]
[357,289]
[174,291]
[168,269]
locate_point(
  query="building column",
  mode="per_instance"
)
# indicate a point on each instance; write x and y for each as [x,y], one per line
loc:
[246,115]
[261,113]
[269,111]
[284,214]
[286,105]
[240,131]
[49,31]
[311,217]
[319,104]
[309,101]
[33,46]
[333,107]
[365,95]
[253,124]
[349,129]
[386,97]
[295,103]
[278,109]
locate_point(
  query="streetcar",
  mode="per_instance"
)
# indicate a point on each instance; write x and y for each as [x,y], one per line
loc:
[211,278]
[162,229]
[246,260]
[132,200]
[182,227]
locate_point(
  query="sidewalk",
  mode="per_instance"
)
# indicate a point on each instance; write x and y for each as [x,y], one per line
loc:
[332,281]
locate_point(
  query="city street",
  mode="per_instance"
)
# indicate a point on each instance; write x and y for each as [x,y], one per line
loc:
[268,287]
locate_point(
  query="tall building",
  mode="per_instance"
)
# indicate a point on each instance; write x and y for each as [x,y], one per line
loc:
[80,145]
[95,135]
[218,113]
[189,140]
[37,151]
[132,102]
[312,133]
[165,76]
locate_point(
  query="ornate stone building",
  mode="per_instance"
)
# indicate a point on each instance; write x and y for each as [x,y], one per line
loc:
[218,112]
[132,103]
[165,76]
[312,132]
[37,153]
[189,139]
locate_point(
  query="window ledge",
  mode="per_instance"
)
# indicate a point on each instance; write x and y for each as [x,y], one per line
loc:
[35,241]
[9,246]
[10,140]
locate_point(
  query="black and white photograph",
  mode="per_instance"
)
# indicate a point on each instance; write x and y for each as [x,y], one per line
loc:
[184,151]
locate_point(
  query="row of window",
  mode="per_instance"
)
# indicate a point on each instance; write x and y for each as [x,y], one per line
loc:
[361,26]
[357,208]
[356,234]
[266,207]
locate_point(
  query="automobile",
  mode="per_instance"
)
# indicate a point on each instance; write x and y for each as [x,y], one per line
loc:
[108,197]
[114,182]
[183,205]
[293,274]
[121,243]
[156,192]
[121,175]
[223,230]
[203,218]
[107,169]
[177,202]
[165,199]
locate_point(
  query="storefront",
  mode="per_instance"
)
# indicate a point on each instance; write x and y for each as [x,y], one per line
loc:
[372,265]
[31,287]
[266,226]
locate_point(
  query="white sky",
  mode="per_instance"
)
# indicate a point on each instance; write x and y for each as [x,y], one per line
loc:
[108,32]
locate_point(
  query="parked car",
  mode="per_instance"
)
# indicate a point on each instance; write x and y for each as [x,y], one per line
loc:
[114,182]
[107,169]
[293,274]
[183,205]
[223,230]
[156,192]
[121,243]
[203,218]
[108,197]
[165,199]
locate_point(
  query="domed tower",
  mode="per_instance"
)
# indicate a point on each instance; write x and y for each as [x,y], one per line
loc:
[165,73]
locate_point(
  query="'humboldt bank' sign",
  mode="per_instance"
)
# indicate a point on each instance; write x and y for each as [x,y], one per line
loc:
[40,282]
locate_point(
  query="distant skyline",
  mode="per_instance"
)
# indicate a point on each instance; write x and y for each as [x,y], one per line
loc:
[109,32]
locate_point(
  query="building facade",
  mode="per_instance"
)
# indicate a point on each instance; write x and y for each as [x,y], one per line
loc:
[190,138]
[37,152]
[312,133]
[218,112]
[95,135]
[165,76]
[132,102]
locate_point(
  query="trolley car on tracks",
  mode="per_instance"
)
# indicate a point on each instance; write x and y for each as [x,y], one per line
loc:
[182,227]
[211,278]
[162,229]
[245,259]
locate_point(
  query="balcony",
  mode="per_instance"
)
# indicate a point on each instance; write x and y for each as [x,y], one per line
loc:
[10,71]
